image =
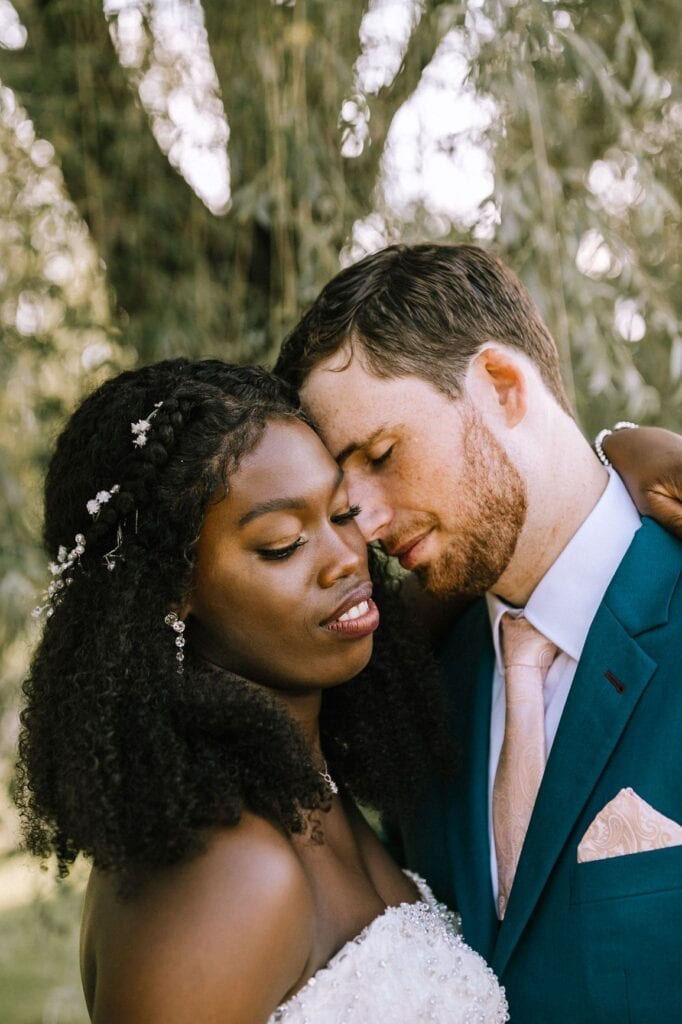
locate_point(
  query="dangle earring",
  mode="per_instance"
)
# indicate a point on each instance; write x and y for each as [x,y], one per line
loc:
[178,627]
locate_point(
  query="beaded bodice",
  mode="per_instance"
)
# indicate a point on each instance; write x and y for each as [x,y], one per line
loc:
[410,964]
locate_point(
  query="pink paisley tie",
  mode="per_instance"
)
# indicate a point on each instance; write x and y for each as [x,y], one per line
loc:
[528,656]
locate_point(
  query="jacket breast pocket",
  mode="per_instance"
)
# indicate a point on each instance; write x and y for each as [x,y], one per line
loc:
[629,922]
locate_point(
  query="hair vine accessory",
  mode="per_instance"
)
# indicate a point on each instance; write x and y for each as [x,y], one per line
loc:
[67,559]
[178,627]
[94,506]
[111,556]
[65,562]
[140,429]
[101,498]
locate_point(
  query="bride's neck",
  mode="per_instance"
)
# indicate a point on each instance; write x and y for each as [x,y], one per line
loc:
[304,708]
[302,704]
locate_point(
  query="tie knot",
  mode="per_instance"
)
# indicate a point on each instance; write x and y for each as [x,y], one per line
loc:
[524,645]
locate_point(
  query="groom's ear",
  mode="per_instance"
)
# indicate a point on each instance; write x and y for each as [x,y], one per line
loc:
[498,382]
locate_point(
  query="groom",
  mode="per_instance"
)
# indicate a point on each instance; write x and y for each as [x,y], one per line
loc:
[436,385]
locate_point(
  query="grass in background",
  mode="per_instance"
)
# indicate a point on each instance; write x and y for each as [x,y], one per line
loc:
[39,976]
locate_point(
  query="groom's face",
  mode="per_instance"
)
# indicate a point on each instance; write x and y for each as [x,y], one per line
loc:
[435,487]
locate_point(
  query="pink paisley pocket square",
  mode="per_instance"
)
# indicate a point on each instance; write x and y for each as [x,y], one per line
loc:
[627,824]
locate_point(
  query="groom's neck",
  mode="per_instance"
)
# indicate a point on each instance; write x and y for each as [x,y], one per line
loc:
[564,481]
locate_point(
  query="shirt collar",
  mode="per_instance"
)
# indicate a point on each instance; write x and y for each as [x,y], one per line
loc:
[566,599]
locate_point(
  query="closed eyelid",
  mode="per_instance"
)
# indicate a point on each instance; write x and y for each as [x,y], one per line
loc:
[365,444]
[278,542]
[378,458]
[343,517]
[281,552]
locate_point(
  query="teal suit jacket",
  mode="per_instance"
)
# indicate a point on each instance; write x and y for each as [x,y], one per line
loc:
[589,943]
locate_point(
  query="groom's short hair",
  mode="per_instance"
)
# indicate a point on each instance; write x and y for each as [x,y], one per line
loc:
[422,310]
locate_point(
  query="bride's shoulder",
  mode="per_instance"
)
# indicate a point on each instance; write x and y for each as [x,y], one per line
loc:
[252,853]
[249,870]
[253,859]
[239,914]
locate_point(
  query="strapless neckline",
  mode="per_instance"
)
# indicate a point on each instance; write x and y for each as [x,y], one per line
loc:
[423,933]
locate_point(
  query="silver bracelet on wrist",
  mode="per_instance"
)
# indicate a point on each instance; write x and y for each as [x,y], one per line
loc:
[599,439]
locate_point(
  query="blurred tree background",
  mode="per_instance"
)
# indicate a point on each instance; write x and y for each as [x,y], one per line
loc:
[180,176]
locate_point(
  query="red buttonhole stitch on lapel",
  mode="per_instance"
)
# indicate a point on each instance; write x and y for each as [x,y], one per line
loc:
[615,683]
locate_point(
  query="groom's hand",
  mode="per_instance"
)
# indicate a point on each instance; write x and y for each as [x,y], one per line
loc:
[650,462]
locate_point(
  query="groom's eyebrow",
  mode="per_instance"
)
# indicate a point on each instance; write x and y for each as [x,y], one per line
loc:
[356,446]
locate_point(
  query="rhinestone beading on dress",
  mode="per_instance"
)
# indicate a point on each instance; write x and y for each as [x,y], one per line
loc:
[410,964]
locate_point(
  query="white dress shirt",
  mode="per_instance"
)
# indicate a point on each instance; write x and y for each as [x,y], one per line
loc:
[562,608]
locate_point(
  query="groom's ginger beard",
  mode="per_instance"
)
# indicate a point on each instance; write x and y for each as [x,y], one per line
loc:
[489,512]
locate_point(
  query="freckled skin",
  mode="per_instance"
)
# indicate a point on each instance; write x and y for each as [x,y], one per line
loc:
[420,463]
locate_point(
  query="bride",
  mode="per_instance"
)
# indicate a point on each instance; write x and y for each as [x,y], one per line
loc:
[191,728]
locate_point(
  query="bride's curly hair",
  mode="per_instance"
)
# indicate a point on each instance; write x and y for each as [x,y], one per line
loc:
[122,757]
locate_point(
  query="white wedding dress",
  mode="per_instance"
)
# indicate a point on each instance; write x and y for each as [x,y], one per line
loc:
[408,965]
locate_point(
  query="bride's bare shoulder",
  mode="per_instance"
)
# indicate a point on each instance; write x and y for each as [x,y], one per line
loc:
[223,936]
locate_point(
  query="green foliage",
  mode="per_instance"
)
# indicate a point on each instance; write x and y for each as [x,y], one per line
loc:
[590,161]
[107,256]
[56,338]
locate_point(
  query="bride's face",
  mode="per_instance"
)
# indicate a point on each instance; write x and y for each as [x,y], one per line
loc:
[281,589]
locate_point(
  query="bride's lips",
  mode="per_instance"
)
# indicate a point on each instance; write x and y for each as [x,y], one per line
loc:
[409,554]
[363,614]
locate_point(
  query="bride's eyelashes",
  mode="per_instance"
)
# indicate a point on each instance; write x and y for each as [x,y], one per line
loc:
[345,517]
[278,554]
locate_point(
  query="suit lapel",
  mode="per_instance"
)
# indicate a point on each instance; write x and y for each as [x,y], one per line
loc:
[594,718]
[612,675]
[468,665]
